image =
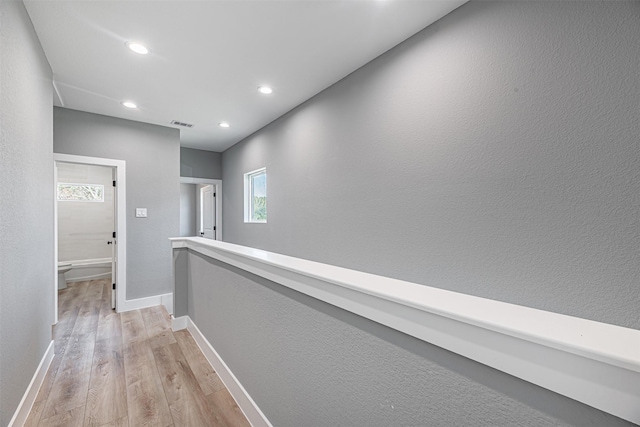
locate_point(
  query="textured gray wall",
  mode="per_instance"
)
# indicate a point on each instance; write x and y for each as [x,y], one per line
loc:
[152,154]
[307,363]
[26,205]
[188,198]
[196,163]
[181,277]
[494,153]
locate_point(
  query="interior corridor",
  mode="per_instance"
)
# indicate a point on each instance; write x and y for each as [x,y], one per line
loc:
[126,369]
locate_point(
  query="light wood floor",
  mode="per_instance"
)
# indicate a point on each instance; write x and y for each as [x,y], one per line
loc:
[126,369]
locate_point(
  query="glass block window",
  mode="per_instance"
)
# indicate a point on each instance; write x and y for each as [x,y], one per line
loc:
[80,192]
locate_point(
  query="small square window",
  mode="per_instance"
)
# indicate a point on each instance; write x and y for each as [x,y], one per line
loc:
[255,196]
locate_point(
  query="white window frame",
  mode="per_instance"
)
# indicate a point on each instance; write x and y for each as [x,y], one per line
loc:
[248,192]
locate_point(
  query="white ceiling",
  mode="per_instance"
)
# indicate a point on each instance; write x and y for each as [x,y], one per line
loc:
[208,57]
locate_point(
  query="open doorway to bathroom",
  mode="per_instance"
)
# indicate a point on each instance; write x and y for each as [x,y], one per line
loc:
[90,225]
[201,208]
[86,223]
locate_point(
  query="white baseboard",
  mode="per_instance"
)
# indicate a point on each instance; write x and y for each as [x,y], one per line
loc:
[237,391]
[29,398]
[178,324]
[167,301]
[88,263]
[136,304]
[91,277]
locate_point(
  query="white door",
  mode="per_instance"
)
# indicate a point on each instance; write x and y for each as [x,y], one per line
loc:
[208,212]
[114,252]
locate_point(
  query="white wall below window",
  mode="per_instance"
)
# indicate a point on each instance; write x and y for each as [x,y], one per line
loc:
[84,228]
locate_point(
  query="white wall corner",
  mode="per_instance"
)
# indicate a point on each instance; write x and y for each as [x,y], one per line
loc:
[29,397]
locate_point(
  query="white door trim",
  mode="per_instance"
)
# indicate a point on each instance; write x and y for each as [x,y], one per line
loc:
[218,190]
[121,226]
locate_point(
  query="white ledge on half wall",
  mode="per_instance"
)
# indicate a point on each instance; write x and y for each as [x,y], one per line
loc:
[595,363]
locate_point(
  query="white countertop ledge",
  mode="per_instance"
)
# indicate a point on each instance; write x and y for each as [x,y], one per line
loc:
[592,362]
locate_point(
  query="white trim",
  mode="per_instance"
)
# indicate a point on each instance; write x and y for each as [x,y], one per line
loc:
[246,404]
[179,323]
[218,191]
[88,263]
[29,397]
[121,223]
[192,180]
[91,277]
[592,362]
[85,264]
[55,242]
[138,303]
[167,301]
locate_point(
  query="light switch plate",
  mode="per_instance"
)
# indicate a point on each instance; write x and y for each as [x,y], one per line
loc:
[141,212]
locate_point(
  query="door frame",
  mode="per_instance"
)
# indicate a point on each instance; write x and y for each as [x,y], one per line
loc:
[217,183]
[120,217]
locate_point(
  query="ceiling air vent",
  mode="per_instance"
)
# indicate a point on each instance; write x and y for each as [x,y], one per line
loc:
[183,124]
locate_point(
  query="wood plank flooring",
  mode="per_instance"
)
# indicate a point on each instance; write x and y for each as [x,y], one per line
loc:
[126,370]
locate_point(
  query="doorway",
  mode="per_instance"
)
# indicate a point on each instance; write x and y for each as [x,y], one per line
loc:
[90,222]
[208,212]
[201,208]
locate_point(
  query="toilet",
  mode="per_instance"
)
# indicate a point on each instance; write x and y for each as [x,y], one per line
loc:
[62,280]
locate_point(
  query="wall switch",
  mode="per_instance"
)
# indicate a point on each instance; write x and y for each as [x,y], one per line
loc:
[141,212]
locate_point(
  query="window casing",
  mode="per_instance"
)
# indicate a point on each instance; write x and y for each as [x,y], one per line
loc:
[255,196]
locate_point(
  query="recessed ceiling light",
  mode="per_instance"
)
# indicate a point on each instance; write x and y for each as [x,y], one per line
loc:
[138,48]
[223,124]
[265,89]
[129,104]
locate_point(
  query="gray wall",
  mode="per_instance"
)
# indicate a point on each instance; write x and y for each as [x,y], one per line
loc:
[200,163]
[26,207]
[494,153]
[307,363]
[188,200]
[152,154]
